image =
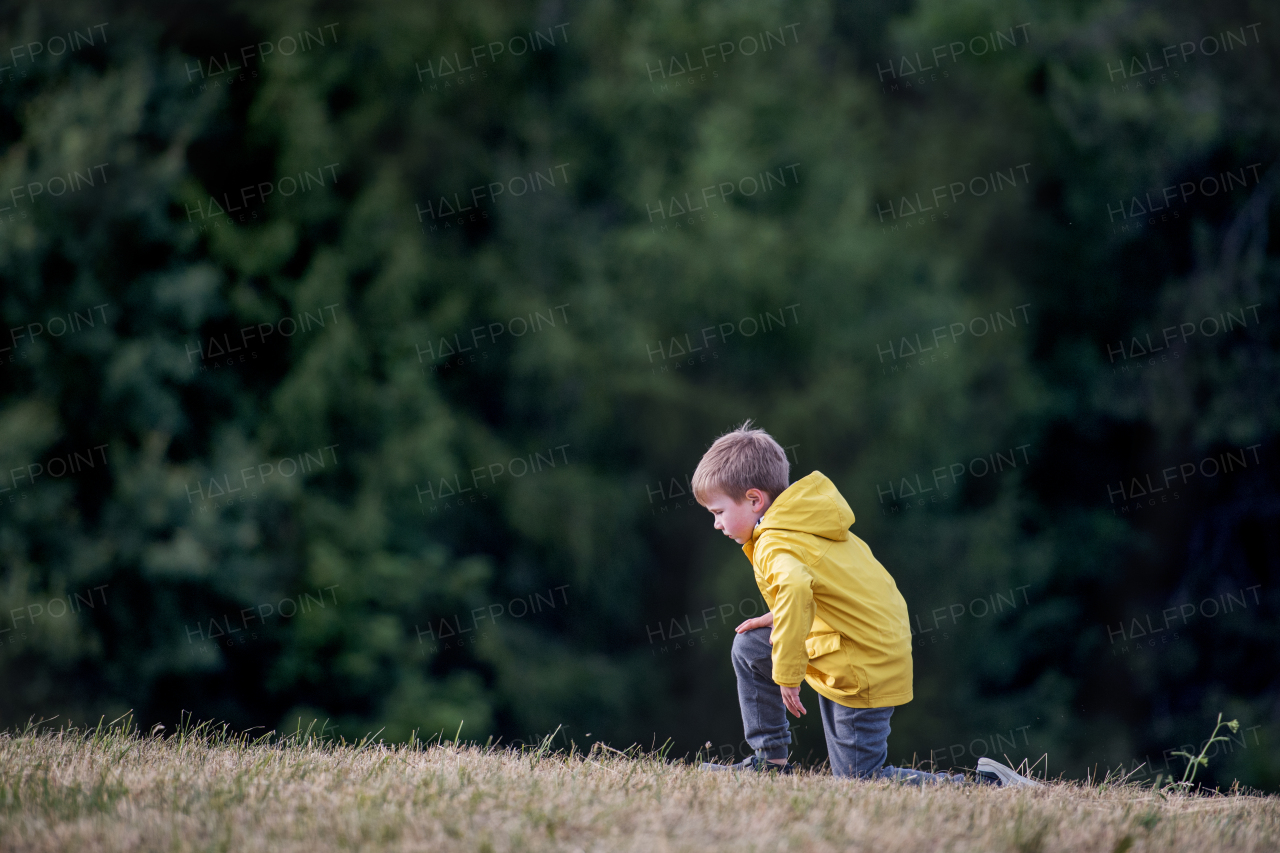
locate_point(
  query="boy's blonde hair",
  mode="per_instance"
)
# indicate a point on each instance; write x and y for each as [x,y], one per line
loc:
[743,459]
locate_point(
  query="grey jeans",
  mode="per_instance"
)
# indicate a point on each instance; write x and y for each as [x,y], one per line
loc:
[857,738]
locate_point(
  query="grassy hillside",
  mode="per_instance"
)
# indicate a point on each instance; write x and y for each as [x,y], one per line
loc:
[201,790]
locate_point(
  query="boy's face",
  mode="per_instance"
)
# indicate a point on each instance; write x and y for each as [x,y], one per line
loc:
[737,519]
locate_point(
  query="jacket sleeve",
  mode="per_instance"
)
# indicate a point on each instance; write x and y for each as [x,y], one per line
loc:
[787,582]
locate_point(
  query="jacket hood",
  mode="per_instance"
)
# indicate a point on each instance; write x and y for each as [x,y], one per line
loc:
[811,505]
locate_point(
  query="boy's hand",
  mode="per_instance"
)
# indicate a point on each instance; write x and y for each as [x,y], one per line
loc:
[791,698]
[765,621]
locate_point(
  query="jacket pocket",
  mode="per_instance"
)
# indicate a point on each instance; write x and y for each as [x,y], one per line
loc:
[829,663]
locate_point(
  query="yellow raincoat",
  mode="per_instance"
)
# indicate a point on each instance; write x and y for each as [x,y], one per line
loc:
[839,621]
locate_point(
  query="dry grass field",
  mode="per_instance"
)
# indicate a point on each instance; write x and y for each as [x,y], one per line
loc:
[113,789]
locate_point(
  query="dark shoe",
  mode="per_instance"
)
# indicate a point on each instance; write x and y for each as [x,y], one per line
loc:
[996,773]
[754,763]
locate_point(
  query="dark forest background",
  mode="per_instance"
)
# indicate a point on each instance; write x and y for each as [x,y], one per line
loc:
[269,311]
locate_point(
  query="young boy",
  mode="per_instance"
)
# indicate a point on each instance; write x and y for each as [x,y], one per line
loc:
[835,619]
